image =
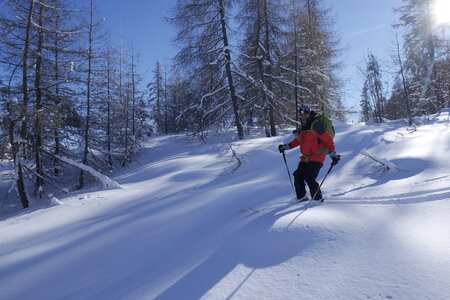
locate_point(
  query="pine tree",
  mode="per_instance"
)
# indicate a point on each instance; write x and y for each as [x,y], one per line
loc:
[374,89]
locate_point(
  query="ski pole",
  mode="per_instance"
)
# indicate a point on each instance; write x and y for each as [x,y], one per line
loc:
[289,172]
[310,200]
[333,163]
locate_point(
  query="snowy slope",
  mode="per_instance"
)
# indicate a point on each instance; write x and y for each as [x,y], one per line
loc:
[176,229]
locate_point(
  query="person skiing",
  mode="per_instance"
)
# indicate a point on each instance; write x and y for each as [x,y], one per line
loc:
[315,143]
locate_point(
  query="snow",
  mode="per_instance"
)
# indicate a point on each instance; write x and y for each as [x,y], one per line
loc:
[179,228]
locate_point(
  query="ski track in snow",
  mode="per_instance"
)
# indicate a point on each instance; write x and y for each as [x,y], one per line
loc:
[177,230]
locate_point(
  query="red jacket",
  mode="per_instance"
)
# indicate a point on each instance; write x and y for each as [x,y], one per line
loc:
[314,147]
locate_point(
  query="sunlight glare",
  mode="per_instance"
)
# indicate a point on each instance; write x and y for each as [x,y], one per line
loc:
[441,12]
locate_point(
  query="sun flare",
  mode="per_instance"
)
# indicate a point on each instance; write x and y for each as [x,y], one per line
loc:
[441,12]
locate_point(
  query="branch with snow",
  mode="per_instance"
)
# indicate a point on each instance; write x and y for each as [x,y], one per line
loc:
[42,177]
[257,83]
[105,180]
[379,165]
[239,163]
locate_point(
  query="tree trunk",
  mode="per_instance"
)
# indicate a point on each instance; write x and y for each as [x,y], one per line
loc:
[57,124]
[273,130]
[133,95]
[405,89]
[26,54]
[17,145]
[38,120]
[108,111]
[261,72]
[234,99]
[88,100]
[125,103]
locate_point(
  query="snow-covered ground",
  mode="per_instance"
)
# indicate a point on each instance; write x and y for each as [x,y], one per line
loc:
[179,227]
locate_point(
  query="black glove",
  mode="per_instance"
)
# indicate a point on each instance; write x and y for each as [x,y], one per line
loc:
[282,148]
[334,157]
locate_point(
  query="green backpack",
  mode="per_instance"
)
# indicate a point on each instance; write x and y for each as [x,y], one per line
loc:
[327,122]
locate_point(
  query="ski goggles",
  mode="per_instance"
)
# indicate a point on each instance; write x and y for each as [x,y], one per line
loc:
[304,109]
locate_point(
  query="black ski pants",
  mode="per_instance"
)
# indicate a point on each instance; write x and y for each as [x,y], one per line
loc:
[307,172]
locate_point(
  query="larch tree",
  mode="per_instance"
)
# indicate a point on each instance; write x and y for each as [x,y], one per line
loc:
[401,89]
[311,60]
[157,99]
[206,60]
[262,23]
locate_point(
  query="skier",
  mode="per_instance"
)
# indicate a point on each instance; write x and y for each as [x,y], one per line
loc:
[315,143]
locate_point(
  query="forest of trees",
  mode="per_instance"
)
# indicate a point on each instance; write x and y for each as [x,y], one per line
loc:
[248,63]
[73,105]
[420,64]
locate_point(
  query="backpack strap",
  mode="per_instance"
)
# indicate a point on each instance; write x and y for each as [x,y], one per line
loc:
[320,151]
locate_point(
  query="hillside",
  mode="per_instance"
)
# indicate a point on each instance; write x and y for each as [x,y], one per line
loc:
[180,227]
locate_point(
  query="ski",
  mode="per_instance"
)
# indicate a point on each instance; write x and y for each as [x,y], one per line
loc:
[249,208]
[304,202]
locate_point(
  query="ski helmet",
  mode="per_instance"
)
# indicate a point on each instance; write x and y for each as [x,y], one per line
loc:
[304,109]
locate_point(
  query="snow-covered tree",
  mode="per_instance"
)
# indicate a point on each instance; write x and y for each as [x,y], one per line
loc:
[424,52]
[59,96]
[312,53]
[401,91]
[92,56]
[206,60]
[374,90]
[366,108]
[262,24]
[158,99]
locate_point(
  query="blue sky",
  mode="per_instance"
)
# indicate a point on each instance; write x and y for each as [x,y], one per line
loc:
[363,25]
[143,25]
